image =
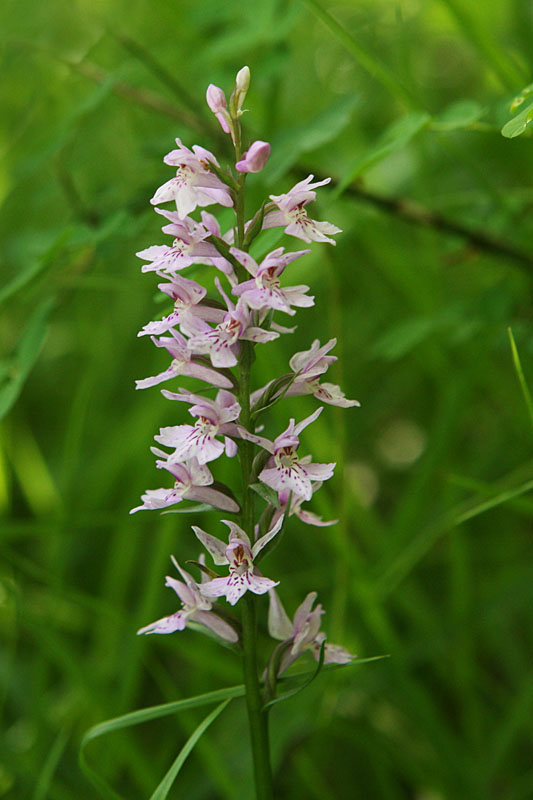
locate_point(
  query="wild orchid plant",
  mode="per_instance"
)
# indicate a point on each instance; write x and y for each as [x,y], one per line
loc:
[215,344]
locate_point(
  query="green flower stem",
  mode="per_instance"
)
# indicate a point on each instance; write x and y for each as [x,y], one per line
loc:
[257,718]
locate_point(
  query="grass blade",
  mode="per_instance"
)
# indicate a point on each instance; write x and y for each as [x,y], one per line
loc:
[520,373]
[145,715]
[368,61]
[166,784]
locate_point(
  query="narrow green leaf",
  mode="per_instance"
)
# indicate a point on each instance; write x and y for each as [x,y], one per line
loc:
[518,124]
[520,373]
[389,577]
[145,715]
[14,374]
[44,780]
[397,136]
[194,509]
[35,266]
[312,674]
[166,784]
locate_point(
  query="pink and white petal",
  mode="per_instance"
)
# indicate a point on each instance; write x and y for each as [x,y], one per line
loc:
[334,654]
[216,624]
[258,584]
[303,611]
[307,421]
[313,519]
[186,199]
[296,296]
[208,375]
[208,449]
[246,260]
[217,587]
[153,253]
[279,625]
[333,394]
[169,373]
[174,435]
[259,335]
[236,532]
[213,497]
[200,474]
[155,499]
[264,540]
[230,447]
[320,472]
[166,192]
[242,433]
[175,622]
[281,328]
[274,219]
[237,585]
[293,478]
[182,590]
[214,546]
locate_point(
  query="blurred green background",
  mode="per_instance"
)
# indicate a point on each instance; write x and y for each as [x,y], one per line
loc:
[402,102]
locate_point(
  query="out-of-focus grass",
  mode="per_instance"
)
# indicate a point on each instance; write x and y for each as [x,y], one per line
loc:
[429,561]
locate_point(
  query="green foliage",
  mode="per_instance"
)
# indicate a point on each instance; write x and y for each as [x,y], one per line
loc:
[403,105]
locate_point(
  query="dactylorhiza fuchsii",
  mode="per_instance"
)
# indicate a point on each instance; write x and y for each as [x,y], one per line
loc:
[210,334]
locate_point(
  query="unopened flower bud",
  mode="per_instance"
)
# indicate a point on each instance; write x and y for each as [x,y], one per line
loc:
[216,100]
[255,158]
[242,83]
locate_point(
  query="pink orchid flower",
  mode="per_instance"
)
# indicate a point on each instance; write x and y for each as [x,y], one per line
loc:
[182,364]
[187,248]
[195,608]
[194,184]
[303,632]
[187,296]
[291,213]
[214,418]
[222,343]
[264,291]
[286,470]
[239,553]
[308,366]
[192,482]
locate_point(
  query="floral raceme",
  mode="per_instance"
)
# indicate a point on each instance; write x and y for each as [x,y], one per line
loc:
[223,304]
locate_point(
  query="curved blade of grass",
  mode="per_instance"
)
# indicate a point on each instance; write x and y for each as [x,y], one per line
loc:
[14,375]
[520,373]
[166,784]
[145,715]
[391,576]
[312,674]
[368,61]
[46,775]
